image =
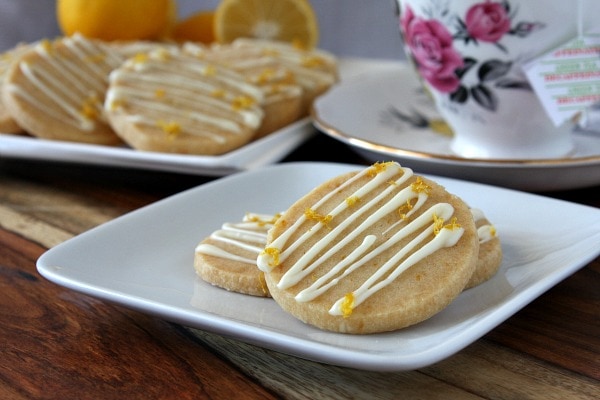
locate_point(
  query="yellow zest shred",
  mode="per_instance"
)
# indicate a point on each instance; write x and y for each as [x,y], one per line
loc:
[274,254]
[419,186]
[46,46]
[377,168]
[453,224]
[313,62]
[312,214]
[89,108]
[140,58]
[352,200]
[265,75]
[438,224]
[347,305]
[171,128]
[493,231]
[159,93]
[242,102]
[115,104]
[96,58]
[405,209]
[218,93]
[209,70]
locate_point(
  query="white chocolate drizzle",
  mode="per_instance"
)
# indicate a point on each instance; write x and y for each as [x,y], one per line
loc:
[249,235]
[430,229]
[189,95]
[73,78]
[485,232]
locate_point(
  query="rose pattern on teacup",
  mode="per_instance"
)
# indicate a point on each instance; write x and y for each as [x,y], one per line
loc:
[431,48]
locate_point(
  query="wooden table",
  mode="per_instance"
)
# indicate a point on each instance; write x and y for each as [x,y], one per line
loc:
[56,343]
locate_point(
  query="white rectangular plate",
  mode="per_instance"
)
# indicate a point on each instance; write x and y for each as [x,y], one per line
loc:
[144,260]
[264,151]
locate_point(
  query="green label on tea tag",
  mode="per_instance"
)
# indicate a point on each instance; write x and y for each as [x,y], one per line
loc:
[567,79]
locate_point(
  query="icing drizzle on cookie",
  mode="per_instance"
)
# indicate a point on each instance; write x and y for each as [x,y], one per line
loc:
[70,60]
[196,97]
[250,235]
[485,232]
[433,229]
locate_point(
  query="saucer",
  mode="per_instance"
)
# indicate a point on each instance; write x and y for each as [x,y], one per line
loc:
[384,114]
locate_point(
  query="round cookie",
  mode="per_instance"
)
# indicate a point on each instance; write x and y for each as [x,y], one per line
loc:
[168,101]
[370,251]
[283,98]
[55,90]
[490,250]
[227,258]
[7,123]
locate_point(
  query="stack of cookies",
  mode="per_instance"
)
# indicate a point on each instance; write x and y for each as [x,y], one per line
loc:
[187,99]
[374,250]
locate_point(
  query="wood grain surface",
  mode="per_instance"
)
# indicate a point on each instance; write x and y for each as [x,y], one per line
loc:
[59,344]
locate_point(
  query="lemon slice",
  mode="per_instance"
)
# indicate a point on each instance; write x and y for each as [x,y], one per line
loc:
[291,21]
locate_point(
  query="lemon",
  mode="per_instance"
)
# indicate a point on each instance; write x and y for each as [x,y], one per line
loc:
[291,21]
[198,27]
[115,19]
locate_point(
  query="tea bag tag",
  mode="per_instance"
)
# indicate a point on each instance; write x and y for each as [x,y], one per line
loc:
[567,79]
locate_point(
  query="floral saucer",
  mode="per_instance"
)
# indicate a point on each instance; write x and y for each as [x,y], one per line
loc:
[384,114]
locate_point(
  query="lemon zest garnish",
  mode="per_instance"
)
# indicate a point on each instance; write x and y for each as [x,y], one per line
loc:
[313,62]
[171,128]
[347,305]
[140,58]
[378,167]
[419,186]
[312,214]
[405,209]
[46,45]
[159,93]
[242,102]
[218,93]
[89,107]
[209,70]
[453,224]
[265,75]
[274,254]
[262,222]
[96,58]
[438,224]
[352,200]
[493,231]
[115,104]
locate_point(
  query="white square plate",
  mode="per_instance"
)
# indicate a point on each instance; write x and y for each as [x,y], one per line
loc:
[144,260]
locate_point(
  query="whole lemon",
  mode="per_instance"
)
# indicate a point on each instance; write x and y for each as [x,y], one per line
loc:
[116,19]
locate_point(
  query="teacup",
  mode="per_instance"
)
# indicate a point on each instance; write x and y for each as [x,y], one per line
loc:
[469,55]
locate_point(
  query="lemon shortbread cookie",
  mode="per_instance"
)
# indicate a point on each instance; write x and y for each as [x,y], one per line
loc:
[55,90]
[314,70]
[283,98]
[490,250]
[169,101]
[370,251]
[7,123]
[227,258]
